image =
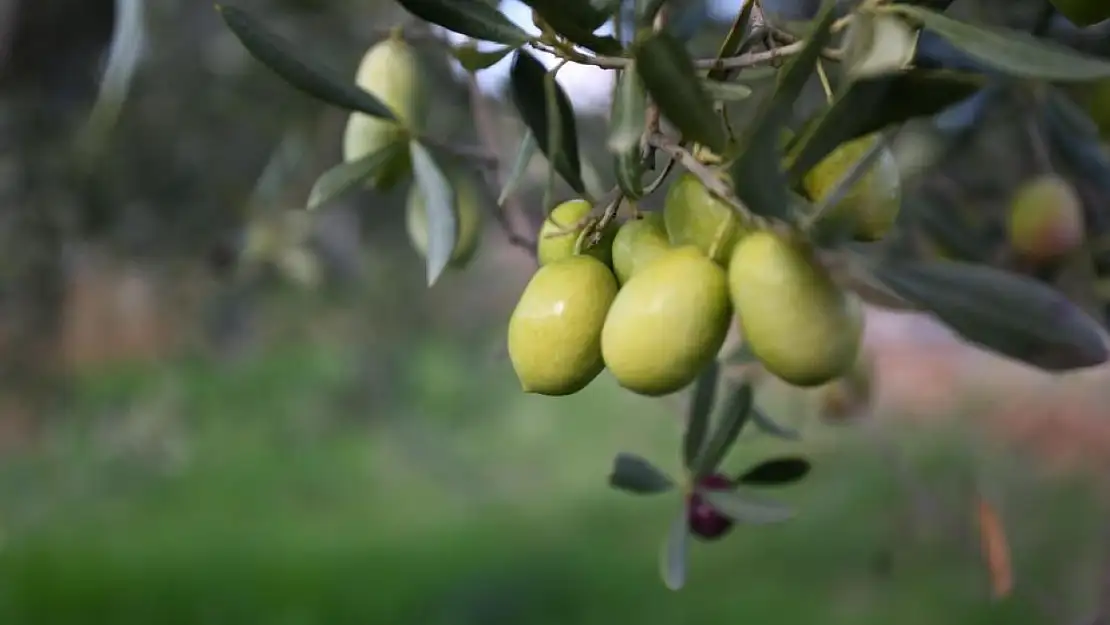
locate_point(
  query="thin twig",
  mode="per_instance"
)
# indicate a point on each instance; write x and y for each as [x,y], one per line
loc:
[487,134]
[748,59]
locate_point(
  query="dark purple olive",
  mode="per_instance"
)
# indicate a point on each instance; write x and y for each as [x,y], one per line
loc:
[703,519]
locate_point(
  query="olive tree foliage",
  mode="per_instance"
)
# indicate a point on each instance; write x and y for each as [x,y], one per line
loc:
[960,79]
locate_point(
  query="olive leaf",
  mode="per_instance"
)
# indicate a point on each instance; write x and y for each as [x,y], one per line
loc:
[668,74]
[439,202]
[636,475]
[473,60]
[344,177]
[698,414]
[745,509]
[733,43]
[757,174]
[726,91]
[1013,52]
[628,115]
[524,156]
[878,44]
[767,425]
[473,18]
[672,557]
[530,90]
[775,472]
[735,411]
[945,226]
[1011,315]
[577,20]
[872,104]
[288,60]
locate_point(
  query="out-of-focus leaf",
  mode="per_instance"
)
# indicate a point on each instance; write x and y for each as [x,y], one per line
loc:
[672,558]
[289,61]
[668,74]
[1011,315]
[945,227]
[776,472]
[745,509]
[734,41]
[878,44]
[869,105]
[726,91]
[346,176]
[1012,52]
[634,474]
[524,156]
[699,413]
[735,411]
[577,20]
[769,426]
[757,174]
[646,10]
[474,60]
[473,18]
[628,117]
[439,202]
[936,52]
[530,91]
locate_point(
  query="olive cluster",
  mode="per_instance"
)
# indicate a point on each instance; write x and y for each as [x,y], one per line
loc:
[652,299]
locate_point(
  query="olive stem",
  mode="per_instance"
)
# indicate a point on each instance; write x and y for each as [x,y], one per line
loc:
[748,59]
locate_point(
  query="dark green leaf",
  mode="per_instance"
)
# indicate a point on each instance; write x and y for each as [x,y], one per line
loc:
[289,61]
[473,60]
[1011,315]
[757,175]
[777,472]
[742,355]
[733,42]
[529,90]
[1013,52]
[646,10]
[577,20]
[636,475]
[439,201]
[870,105]
[473,18]
[698,414]
[735,412]
[945,226]
[670,78]
[769,426]
[628,117]
[672,558]
[629,168]
[346,176]
[878,44]
[745,509]
[520,166]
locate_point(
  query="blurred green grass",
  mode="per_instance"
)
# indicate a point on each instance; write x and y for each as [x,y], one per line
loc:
[258,493]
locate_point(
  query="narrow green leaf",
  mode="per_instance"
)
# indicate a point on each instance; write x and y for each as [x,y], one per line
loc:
[775,472]
[769,426]
[529,92]
[744,509]
[646,10]
[629,169]
[757,174]
[878,44]
[628,115]
[634,474]
[945,226]
[1013,52]
[733,42]
[439,201]
[524,156]
[870,105]
[289,61]
[742,355]
[726,91]
[735,412]
[672,558]
[473,18]
[668,74]
[1012,315]
[698,414]
[346,176]
[474,60]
